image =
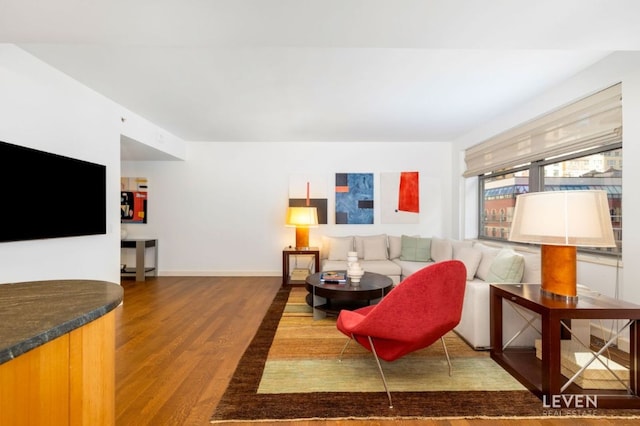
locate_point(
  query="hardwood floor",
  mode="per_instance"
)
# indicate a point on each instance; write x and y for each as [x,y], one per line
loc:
[178,340]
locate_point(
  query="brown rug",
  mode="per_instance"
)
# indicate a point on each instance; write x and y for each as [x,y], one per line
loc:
[242,400]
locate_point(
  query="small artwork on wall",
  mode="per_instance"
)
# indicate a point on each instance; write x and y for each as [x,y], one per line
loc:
[309,190]
[354,198]
[133,199]
[400,197]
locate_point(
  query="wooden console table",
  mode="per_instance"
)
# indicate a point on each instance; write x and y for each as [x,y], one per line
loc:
[140,270]
[543,377]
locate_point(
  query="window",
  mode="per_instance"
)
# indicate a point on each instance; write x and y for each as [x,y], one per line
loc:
[600,170]
[576,147]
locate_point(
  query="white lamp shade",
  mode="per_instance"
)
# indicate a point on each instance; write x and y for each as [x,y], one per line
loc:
[568,218]
[302,216]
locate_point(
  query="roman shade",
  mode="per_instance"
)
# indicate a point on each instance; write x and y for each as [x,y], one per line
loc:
[594,121]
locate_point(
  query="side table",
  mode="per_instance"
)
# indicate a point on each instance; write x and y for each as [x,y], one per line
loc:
[287,252]
[140,270]
[543,377]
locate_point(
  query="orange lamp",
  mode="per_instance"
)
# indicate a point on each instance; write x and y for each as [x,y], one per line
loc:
[302,218]
[561,221]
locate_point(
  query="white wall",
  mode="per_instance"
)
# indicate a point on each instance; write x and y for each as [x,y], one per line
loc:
[44,109]
[620,67]
[222,211]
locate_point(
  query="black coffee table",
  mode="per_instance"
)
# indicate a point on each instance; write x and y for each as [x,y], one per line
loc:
[332,298]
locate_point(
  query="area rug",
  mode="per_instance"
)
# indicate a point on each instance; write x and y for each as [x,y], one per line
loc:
[292,370]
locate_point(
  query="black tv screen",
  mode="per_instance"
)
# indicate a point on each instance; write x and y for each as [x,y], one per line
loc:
[46,195]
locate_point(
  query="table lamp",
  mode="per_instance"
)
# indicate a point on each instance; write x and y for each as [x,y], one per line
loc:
[302,218]
[561,221]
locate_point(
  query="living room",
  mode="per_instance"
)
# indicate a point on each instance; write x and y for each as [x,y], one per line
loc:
[217,208]
[223,217]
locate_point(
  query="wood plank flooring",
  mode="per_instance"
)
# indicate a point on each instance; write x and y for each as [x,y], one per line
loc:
[179,339]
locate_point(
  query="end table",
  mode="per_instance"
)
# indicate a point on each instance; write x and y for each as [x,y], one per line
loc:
[292,251]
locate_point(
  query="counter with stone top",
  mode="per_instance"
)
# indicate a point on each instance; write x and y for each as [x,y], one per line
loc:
[33,313]
[57,352]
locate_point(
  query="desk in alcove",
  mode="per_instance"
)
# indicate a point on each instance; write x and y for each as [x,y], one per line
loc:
[140,270]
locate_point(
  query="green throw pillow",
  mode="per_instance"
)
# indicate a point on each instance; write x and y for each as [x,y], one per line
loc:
[507,267]
[415,249]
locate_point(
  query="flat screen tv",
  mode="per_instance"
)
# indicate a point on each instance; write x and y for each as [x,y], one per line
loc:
[46,195]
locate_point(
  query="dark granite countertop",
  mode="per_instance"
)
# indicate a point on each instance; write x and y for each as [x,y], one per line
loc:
[34,313]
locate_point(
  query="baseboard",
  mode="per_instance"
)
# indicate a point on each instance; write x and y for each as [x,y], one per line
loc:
[220,273]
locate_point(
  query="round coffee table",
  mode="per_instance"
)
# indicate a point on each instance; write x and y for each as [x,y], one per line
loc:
[331,298]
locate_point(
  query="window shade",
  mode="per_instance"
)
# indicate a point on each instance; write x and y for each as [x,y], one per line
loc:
[594,121]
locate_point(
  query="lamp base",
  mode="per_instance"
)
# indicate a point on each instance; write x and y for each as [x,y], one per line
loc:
[559,272]
[302,238]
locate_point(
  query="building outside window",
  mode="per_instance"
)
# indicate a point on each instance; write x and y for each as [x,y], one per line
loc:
[578,171]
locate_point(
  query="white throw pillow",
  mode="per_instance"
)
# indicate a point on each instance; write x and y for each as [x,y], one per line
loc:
[532,268]
[456,245]
[359,242]
[507,267]
[339,247]
[471,259]
[395,246]
[441,249]
[375,248]
[488,254]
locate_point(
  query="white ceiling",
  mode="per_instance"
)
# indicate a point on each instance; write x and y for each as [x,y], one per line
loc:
[320,70]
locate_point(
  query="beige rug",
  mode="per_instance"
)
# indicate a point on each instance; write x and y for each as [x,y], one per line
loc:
[304,357]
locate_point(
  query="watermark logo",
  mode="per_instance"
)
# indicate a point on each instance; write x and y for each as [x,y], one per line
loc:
[569,405]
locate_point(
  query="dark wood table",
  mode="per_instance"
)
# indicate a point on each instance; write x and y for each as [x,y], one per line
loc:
[543,377]
[287,252]
[331,298]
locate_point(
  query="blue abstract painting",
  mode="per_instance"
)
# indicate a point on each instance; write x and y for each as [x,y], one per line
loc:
[354,198]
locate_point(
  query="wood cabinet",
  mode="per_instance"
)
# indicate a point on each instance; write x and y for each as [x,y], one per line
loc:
[57,352]
[67,381]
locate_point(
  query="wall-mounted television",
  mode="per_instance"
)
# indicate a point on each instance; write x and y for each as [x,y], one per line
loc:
[45,195]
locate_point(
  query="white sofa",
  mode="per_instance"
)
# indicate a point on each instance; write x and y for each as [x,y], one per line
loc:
[400,256]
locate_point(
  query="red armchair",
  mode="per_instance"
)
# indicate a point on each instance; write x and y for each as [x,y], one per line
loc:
[416,313]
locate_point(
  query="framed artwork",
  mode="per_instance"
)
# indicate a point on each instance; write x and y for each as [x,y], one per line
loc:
[354,198]
[133,199]
[400,197]
[309,190]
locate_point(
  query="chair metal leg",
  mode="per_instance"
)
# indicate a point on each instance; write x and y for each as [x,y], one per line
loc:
[446,353]
[384,381]
[343,349]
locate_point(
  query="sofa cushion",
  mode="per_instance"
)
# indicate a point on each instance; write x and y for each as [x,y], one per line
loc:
[409,267]
[395,246]
[372,247]
[457,245]
[338,247]
[532,268]
[441,249]
[488,254]
[384,267]
[507,267]
[415,249]
[471,259]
